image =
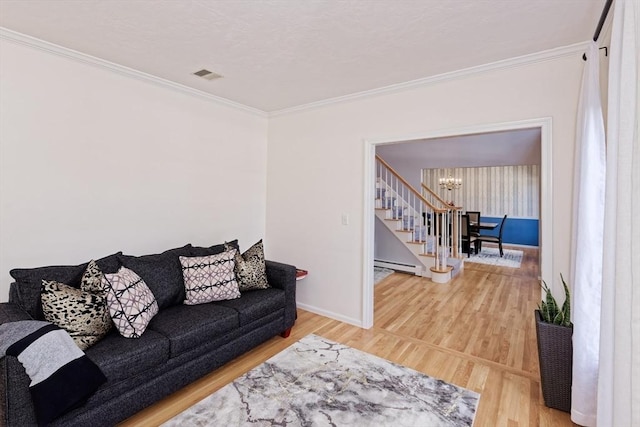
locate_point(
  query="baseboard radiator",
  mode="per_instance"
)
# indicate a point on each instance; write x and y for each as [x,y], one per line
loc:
[398,266]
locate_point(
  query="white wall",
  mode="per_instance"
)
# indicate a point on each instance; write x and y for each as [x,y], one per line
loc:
[316,170]
[92,162]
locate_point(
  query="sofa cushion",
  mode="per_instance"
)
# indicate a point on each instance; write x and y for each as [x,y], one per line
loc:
[250,268]
[213,250]
[188,326]
[84,315]
[209,278]
[162,273]
[131,302]
[29,281]
[256,304]
[120,358]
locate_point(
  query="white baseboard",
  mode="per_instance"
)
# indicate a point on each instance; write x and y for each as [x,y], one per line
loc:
[521,246]
[330,314]
[508,245]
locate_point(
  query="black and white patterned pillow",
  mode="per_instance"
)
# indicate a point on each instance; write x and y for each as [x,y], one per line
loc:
[82,314]
[209,278]
[251,269]
[92,279]
[131,303]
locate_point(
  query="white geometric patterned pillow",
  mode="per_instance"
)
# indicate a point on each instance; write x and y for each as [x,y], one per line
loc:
[209,278]
[251,269]
[131,302]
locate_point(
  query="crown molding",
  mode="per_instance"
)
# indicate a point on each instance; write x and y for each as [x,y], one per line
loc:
[518,61]
[64,52]
[23,39]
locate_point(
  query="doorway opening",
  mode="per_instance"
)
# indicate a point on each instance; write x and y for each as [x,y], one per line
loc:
[545,212]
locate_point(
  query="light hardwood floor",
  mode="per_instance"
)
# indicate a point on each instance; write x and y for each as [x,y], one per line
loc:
[477,332]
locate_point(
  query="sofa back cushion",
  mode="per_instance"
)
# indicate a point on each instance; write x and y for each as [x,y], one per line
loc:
[28,281]
[213,250]
[162,273]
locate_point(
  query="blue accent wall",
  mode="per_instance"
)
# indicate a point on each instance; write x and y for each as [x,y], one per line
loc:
[518,231]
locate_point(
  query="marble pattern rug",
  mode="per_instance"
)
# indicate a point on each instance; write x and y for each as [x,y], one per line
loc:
[488,255]
[381,273]
[318,382]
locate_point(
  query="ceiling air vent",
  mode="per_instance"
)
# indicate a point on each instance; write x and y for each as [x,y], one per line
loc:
[206,74]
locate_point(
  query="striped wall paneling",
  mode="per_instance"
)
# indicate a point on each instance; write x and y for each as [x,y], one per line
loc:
[494,191]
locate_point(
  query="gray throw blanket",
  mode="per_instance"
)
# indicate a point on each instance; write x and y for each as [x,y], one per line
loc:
[62,376]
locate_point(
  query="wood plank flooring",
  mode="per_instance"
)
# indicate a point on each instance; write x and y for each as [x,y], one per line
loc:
[477,332]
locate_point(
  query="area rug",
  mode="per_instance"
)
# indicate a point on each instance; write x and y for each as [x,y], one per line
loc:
[512,258]
[318,382]
[380,273]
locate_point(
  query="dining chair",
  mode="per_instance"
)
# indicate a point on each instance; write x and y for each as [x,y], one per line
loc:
[474,221]
[467,238]
[493,239]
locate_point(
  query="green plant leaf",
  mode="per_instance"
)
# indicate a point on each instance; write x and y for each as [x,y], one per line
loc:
[566,306]
[558,319]
[544,312]
[549,309]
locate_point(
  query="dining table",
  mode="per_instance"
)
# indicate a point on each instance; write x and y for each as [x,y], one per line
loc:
[484,225]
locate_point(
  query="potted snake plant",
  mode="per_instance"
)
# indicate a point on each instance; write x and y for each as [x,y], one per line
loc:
[555,348]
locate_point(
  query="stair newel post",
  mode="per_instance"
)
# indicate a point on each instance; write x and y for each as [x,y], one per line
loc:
[454,233]
[438,242]
[445,240]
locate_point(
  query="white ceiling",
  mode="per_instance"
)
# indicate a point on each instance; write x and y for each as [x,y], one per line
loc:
[507,148]
[278,54]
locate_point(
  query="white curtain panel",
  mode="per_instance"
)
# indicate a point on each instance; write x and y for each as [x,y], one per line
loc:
[587,242]
[619,378]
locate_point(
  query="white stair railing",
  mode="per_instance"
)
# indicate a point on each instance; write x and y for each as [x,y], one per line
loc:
[427,224]
[455,217]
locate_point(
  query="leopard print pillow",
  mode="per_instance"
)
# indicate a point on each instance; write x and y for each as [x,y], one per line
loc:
[251,269]
[83,312]
[92,279]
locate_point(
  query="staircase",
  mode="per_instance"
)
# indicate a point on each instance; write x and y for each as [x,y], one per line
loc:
[424,223]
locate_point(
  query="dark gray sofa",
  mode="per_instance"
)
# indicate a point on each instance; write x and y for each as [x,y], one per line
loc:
[181,344]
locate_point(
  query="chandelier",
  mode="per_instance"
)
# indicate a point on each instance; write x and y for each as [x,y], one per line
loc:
[450,183]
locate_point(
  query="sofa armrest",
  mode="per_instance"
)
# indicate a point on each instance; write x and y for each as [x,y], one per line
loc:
[283,276]
[280,275]
[15,399]
[10,312]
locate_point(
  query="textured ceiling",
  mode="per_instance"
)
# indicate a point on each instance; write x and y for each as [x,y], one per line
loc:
[278,54]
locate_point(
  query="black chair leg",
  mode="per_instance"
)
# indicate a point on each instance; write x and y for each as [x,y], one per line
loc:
[501,252]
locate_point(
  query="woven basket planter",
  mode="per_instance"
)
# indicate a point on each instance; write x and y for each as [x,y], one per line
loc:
[555,352]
